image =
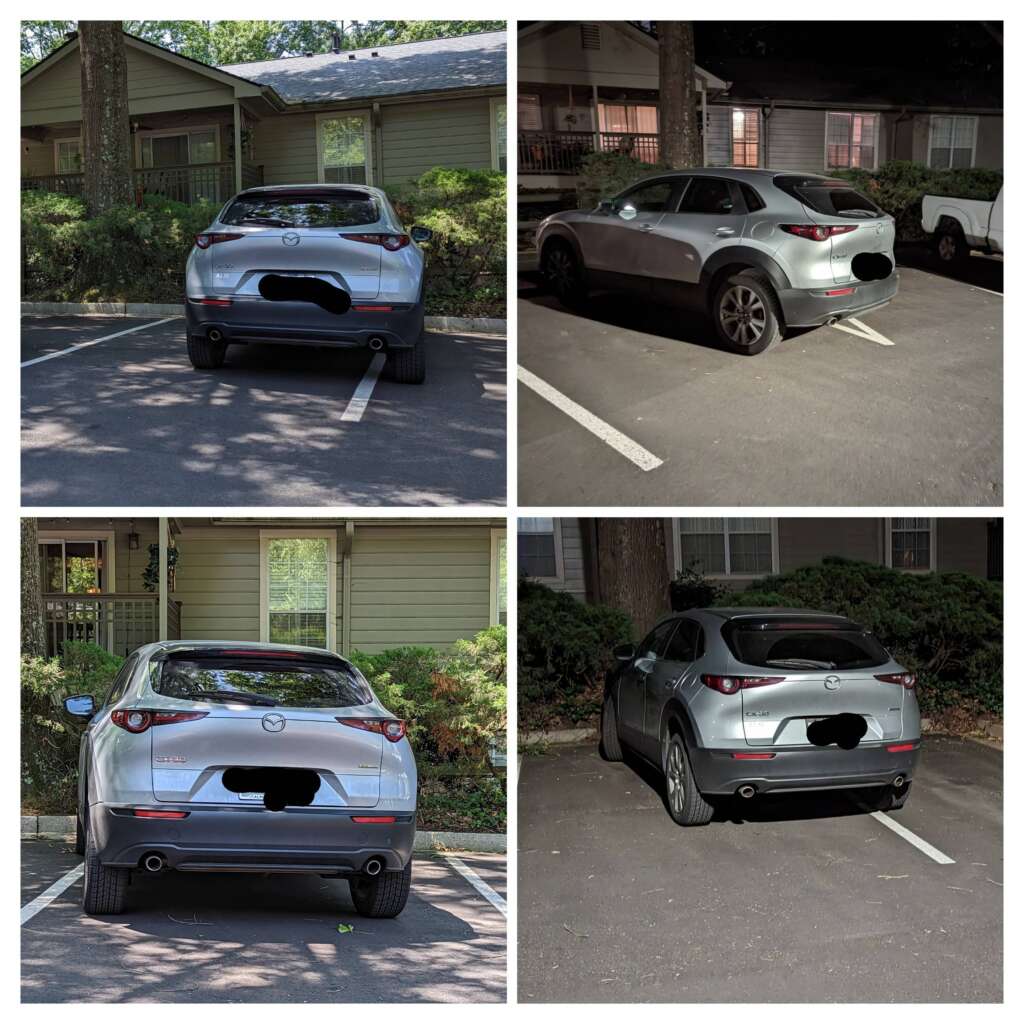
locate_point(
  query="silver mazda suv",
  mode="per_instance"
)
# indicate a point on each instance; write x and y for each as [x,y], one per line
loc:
[244,757]
[741,701]
[327,265]
[761,252]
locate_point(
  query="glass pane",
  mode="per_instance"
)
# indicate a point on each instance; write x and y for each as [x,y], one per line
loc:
[169,150]
[537,555]
[52,568]
[536,525]
[942,132]
[963,133]
[69,157]
[202,147]
[750,553]
[343,140]
[501,131]
[939,157]
[704,552]
[297,583]
[502,595]
[961,158]
[81,567]
[701,525]
[308,629]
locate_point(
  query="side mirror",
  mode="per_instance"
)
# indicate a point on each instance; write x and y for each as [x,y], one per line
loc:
[627,211]
[420,234]
[81,706]
[625,652]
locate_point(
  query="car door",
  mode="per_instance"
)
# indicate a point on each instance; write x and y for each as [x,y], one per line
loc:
[616,237]
[711,213]
[673,670]
[633,683]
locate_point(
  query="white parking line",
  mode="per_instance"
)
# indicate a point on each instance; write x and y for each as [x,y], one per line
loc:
[626,446]
[861,330]
[44,899]
[492,897]
[95,341]
[360,399]
[904,833]
[976,288]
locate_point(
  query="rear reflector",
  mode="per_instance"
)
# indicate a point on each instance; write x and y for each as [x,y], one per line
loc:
[372,309]
[138,813]
[905,679]
[841,291]
[900,748]
[380,819]
[213,302]
[392,729]
[753,757]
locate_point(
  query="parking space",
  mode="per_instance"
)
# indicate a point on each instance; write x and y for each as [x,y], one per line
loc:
[124,416]
[639,405]
[249,938]
[804,898]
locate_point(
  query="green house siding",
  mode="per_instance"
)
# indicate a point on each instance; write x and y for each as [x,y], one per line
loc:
[286,147]
[419,585]
[129,565]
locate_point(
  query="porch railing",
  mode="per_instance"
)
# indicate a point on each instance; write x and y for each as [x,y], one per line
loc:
[563,152]
[117,622]
[185,183]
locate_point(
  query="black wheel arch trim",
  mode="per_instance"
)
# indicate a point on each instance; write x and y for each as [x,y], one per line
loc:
[676,711]
[560,231]
[748,257]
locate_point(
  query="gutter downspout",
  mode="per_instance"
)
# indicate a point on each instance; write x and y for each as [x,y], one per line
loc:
[377,170]
[346,587]
[765,117]
[162,579]
[703,121]
[238,146]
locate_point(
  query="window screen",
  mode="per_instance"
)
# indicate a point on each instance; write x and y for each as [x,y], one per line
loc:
[537,555]
[297,590]
[911,544]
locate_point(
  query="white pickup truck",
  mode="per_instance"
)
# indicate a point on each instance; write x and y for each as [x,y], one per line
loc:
[957,226]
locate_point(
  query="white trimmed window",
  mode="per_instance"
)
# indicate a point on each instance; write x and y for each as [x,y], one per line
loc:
[540,549]
[499,578]
[499,134]
[910,544]
[343,149]
[298,587]
[851,140]
[68,156]
[528,113]
[951,141]
[746,137]
[727,547]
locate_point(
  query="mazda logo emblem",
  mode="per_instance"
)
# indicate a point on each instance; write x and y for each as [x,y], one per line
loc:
[831,683]
[273,723]
[290,238]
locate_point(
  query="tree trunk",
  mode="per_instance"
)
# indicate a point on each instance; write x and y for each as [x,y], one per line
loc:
[106,140]
[632,568]
[33,633]
[680,140]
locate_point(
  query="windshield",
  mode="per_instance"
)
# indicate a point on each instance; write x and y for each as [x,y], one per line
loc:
[338,210]
[798,646]
[261,681]
[833,198]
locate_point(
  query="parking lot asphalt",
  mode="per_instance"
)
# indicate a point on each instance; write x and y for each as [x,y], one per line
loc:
[247,938]
[804,898]
[905,410]
[127,420]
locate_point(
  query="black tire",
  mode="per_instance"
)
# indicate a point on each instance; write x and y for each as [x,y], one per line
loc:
[747,303]
[951,248]
[384,895]
[610,747]
[79,836]
[204,354]
[564,273]
[892,799]
[685,803]
[409,365]
[105,887]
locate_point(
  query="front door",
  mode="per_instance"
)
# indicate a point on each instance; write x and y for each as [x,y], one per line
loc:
[633,684]
[673,671]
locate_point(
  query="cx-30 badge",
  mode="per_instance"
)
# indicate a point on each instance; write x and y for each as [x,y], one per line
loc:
[273,723]
[290,238]
[832,682]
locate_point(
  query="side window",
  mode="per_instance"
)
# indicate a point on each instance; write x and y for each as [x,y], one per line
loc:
[121,681]
[751,198]
[707,195]
[654,643]
[651,198]
[683,645]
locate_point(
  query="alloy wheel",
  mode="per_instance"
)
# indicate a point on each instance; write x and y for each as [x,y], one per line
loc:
[675,777]
[561,270]
[742,315]
[947,248]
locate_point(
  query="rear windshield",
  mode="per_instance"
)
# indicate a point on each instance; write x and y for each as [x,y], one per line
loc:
[794,646]
[261,681]
[343,210]
[831,198]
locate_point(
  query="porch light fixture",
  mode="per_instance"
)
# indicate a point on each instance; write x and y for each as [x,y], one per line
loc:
[133,541]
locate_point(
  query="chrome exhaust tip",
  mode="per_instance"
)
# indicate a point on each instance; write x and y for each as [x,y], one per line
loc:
[215,335]
[746,791]
[898,781]
[376,344]
[832,320]
[373,866]
[153,862]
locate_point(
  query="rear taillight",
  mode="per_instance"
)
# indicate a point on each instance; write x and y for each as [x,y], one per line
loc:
[392,729]
[138,720]
[905,679]
[376,819]
[141,813]
[206,239]
[390,242]
[900,748]
[733,684]
[818,232]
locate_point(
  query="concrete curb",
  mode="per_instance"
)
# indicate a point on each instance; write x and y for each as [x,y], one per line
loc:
[557,736]
[455,324]
[51,826]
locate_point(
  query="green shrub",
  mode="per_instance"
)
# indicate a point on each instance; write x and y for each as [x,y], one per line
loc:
[603,175]
[49,738]
[946,627]
[564,651]
[692,589]
[898,187]
[465,273]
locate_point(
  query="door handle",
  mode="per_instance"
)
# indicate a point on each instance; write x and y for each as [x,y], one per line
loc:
[646,227]
[724,231]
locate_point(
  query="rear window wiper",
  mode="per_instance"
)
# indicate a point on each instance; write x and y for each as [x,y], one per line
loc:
[236,697]
[801,663]
[274,222]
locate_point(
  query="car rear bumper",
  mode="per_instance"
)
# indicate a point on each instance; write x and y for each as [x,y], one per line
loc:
[803,768]
[305,840]
[248,320]
[811,307]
